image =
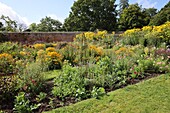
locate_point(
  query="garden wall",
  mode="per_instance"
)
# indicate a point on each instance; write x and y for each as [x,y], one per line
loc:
[30,37]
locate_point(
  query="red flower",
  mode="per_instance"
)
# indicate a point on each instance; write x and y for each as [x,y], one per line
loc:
[33,82]
[135,73]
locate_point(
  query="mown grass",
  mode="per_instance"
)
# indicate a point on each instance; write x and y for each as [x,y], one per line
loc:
[150,96]
[51,74]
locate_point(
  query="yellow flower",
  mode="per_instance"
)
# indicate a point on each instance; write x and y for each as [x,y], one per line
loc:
[147,28]
[131,31]
[101,34]
[6,57]
[39,46]
[96,50]
[124,50]
[22,53]
[89,35]
[113,33]
[50,49]
[54,55]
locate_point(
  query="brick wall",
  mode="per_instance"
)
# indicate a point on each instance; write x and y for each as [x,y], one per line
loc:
[29,37]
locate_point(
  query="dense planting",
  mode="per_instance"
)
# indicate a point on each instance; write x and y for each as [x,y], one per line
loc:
[92,65]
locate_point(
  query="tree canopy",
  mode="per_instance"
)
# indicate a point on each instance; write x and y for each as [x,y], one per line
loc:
[122,5]
[89,15]
[46,24]
[133,17]
[162,16]
[10,25]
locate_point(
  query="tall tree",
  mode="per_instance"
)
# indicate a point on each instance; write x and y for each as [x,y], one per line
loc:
[1,26]
[89,15]
[46,24]
[162,16]
[10,25]
[122,5]
[33,27]
[132,17]
[150,11]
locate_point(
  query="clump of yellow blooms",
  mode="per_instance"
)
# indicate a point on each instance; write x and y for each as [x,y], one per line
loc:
[54,56]
[39,46]
[130,32]
[162,31]
[7,57]
[147,28]
[50,49]
[91,35]
[124,50]
[101,34]
[98,51]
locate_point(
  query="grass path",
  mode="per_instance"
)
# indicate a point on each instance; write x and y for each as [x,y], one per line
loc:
[150,96]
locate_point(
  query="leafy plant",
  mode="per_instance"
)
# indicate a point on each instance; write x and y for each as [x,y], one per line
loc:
[31,79]
[41,96]
[98,92]
[23,105]
[67,83]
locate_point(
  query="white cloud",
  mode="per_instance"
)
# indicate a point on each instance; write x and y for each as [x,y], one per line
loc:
[147,3]
[8,11]
[53,16]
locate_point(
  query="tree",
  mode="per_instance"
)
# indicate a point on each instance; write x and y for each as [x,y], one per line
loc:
[89,15]
[132,17]
[162,16]
[48,24]
[33,27]
[10,25]
[122,5]
[1,25]
[150,11]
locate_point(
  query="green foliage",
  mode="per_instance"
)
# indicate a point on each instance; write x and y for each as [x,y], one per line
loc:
[7,88]
[106,73]
[68,82]
[10,47]
[47,24]
[133,98]
[132,17]
[147,65]
[90,15]
[31,79]
[41,96]
[23,105]
[150,12]
[162,16]
[98,92]
[122,5]
[11,25]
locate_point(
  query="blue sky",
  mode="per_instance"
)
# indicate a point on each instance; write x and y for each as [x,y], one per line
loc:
[29,11]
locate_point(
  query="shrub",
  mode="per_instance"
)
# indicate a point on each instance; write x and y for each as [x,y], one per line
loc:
[23,104]
[54,60]
[69,82]
[6,64]
[31,79]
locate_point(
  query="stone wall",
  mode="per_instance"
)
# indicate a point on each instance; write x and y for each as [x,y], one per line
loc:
[31,38]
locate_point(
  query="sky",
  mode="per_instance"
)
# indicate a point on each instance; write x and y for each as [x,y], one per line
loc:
[32,11]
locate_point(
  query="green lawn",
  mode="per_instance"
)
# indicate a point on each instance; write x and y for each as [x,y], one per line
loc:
[150,96]
[51,74]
